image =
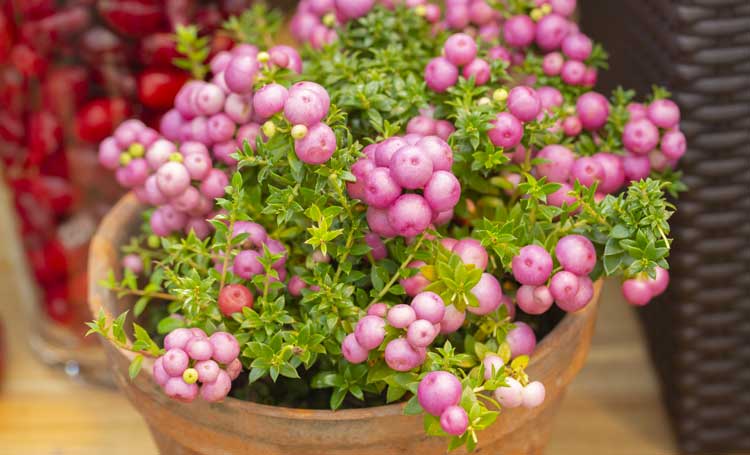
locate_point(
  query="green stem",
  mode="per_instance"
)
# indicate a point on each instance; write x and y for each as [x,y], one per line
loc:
[396,275]
[138,292]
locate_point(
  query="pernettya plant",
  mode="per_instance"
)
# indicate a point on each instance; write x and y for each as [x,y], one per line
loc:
[401,217]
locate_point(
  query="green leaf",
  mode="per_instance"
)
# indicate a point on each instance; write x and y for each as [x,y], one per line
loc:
[135,366]
[413,407]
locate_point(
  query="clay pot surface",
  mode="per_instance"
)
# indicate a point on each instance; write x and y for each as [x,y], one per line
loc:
[241,427]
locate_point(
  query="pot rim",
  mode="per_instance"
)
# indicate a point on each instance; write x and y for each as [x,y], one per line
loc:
[103,253]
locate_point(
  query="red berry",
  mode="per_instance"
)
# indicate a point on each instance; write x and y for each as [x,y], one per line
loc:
[97,119]
[158,88]
[233,298]
[158,50]
[133,17]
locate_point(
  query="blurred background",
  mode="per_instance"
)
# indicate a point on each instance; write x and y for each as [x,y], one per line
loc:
[672,378]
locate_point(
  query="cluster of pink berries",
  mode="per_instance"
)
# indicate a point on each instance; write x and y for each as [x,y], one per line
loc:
[653,137]
[571,288]
[247,263]
[459,52]
[439,394]
[194,357]
[639,291]
[399,164]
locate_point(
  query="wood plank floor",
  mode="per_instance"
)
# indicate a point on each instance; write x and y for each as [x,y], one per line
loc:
[612,408]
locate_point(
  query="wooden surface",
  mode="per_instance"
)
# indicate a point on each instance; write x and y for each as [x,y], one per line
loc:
[612,407]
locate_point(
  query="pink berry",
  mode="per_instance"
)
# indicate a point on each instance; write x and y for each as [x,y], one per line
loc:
[524,103]
[438,391]
[256,234]
[478,69]
[270,100]
[247,264]
[160,375]
[636,167]
[532,266]
[214,184]
[415,284]
[472,252]
[454,420]
[179,390]
[353,9]
[442,191]
[564,286]
[572,126]
[593,110]
[386,149]
[438,151]
[551,31]
[209,99]
[581,299]
[370,332]
[586,170]
[214,392]
[552,64]
[673,145]
[510,396]
[493,364]
[304,107]
[421,125]
[429,306]
[401,316]
[175,361]
[177,339]
[234,369]
[452,321]
[576,254]
[664,113]
[573,72]
[172,178]
[352,351]
[239,108]
[489,294]
[640,136]
[317,146]
[378,249]
[533,394]
[577,46]
[659,284]
[410,214]
[534,299]
[507,131]
[563,7]
[421,333]
[559,163]
[519,31]
[637,291]
[318,89]
[171,124]
[208,371]
[401,356]
[378,309]
[199,349]
[381,189]
[377,220]
[225,347]
[521,340]
[220,128]
[240,73]
[460,49]
[550,97]
[440,74]
[410,167]
[443,130]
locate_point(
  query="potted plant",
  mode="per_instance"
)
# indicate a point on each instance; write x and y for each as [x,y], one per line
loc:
[315,253]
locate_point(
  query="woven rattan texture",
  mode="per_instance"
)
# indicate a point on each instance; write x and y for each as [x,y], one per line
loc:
[699,331]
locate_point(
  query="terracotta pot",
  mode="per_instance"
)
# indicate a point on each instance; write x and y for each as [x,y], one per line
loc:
[235,426]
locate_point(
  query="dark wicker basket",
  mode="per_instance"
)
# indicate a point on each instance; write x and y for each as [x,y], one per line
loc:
[700,330]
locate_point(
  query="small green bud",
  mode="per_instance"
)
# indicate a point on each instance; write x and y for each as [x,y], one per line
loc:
[153,241]
[500,95]
[536,14]
[546,9]
[420,10]
[329,20]
[137,150]
[125,158]
[269,129]
[483,101]
[263,56]
[190,376]
[176,157]
[299,131]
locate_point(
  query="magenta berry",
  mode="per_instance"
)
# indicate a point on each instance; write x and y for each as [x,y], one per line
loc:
[438,151]
[552,64]
[410,214]
[637,291]
[460,49]
[581,299]
[521,340]
[673,145]
[534,299]
[479,69]
[454,420]
[507,131]
[352,351]
[304,107]
[370,332]
[576,254]
[587,170]
[492,365]
[442,191]
[519,31]
[559,163]
[429,306]
[659,284]
[532,265]
[317,146]
[577,46]
[564,286]
[353,9]
[440,74]
[524,103]
[489,294]
[593,110]
[377,220]
[401,316]
[401,356]
[438,391]
[664,113]
[640,136]
[410,167]
[378,249]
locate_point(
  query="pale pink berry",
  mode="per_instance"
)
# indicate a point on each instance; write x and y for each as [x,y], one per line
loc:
[534,299]
[532,266]
[378,309]
[444,129]
[506,131]
[270,100]
[400,316]
[377,247]
[160,375]
[533,394]
[421,333]
[510,396]
[442,191]
[472,252]
[659,284]
[415,284]
[177,339]
[440,74]
[673,145]
[479,69]
[664,113]
[239,108]
[637,291]
[581,299]
[576,254]
[586,170]
[317,146]
[175,361]
[370,332]
[225,347]
[438,151]
[304,107]
[488,293]
[429,306]
[240,73]
[179,390]
[438,391]
[208,371]
[401,356]
[564,285]
[552,64]
[558,165]
[214,184]
[410,214]
[352,351]
[452,321]
[214,392]
[493,364]
[410,167]
[521,340]
[199,349]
